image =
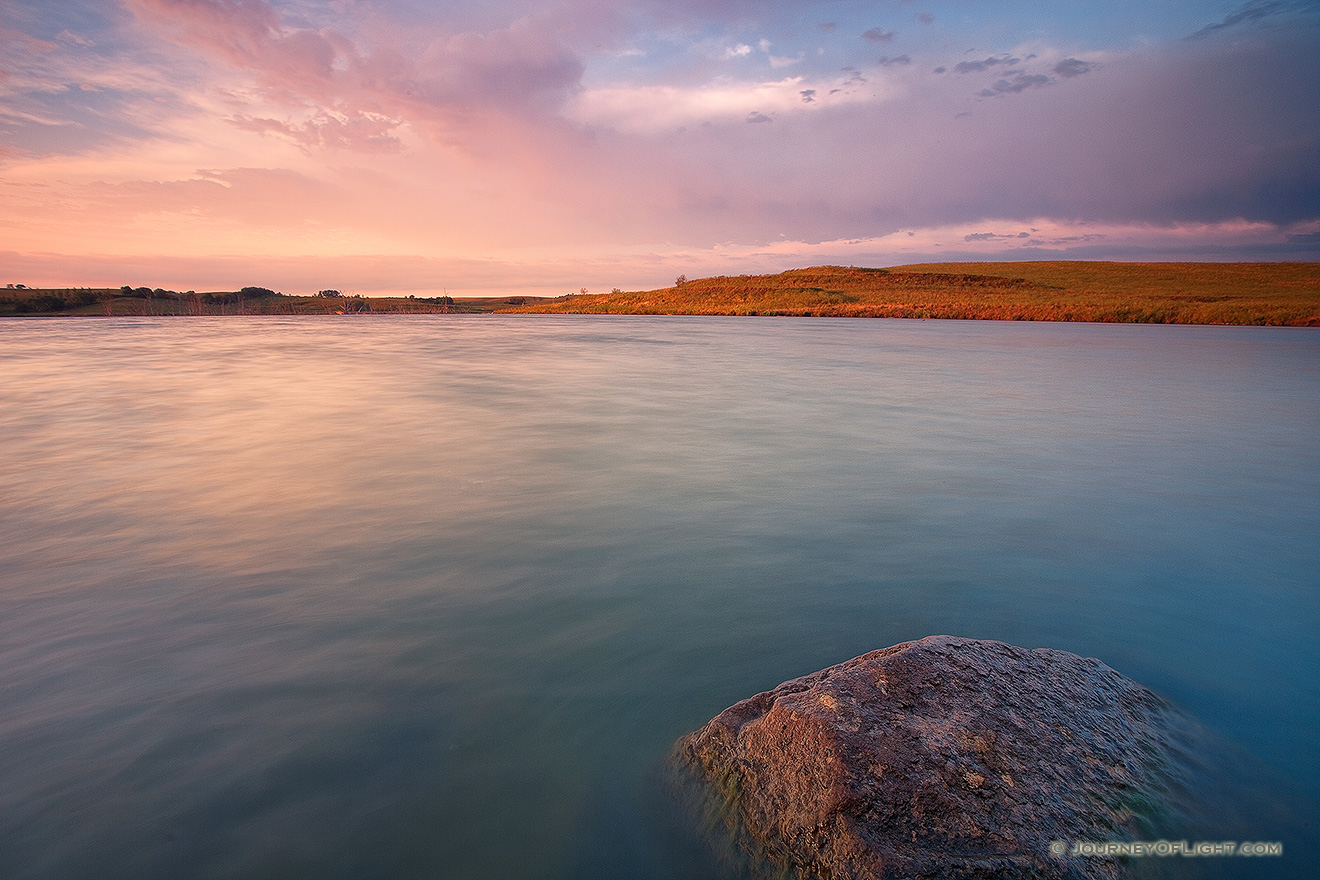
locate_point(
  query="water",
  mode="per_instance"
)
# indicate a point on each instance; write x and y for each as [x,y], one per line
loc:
[431,597]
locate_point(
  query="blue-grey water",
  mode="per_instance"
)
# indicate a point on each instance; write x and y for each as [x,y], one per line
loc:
[431,597]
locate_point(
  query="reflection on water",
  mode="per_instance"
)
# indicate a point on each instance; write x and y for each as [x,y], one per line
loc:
[431,597]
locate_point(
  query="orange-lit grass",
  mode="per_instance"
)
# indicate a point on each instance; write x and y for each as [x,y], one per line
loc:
[1181,293]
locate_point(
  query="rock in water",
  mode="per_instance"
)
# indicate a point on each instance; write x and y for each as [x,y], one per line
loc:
[941,758]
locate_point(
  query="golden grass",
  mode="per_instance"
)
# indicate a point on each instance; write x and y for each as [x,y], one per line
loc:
[1173,293]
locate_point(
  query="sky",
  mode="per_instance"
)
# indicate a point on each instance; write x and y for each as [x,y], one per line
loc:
[544,146]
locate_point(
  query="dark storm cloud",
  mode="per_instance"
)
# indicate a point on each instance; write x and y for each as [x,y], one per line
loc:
[1198,133]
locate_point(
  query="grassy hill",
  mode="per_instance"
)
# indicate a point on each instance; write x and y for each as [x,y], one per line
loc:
[1165,293]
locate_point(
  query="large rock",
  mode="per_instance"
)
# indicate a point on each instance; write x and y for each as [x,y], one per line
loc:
[944,757]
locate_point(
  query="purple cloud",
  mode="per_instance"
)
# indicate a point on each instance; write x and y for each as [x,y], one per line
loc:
[1093,151]
[993,236]
[1070,67]
[1019,83]
[985,64]
[1255,11]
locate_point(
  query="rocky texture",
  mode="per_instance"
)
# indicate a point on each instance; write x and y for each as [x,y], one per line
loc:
[941,758]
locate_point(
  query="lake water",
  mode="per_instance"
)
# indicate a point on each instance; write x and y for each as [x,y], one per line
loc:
[431,597]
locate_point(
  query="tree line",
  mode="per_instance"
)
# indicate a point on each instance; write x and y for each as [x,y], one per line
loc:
[231,298]
[20,299]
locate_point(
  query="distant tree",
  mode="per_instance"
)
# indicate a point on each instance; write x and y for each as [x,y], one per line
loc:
[329,293]
[257,292]
[680,281]
[616,291]
[583,291]
[44,302]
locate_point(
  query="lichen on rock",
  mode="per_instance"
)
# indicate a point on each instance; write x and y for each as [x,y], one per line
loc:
[940,758]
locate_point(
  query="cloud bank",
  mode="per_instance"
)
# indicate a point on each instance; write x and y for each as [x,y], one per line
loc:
[617,134]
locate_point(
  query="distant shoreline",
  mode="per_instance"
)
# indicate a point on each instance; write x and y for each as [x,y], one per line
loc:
[1278,294]
[158,302]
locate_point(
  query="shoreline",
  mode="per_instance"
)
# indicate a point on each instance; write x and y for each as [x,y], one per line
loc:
[1270,294]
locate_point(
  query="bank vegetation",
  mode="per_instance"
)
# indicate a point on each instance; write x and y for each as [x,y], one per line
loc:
[1159,293]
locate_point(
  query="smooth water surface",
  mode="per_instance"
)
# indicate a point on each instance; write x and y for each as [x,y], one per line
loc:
[431,597]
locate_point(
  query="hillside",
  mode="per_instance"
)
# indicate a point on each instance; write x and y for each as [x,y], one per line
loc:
[1166,293]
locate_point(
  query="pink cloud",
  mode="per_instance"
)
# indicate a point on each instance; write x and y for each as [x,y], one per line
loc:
[454,81]
[357,131]
[246,34]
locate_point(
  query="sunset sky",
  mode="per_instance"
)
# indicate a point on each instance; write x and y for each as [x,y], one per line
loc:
[542,146]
